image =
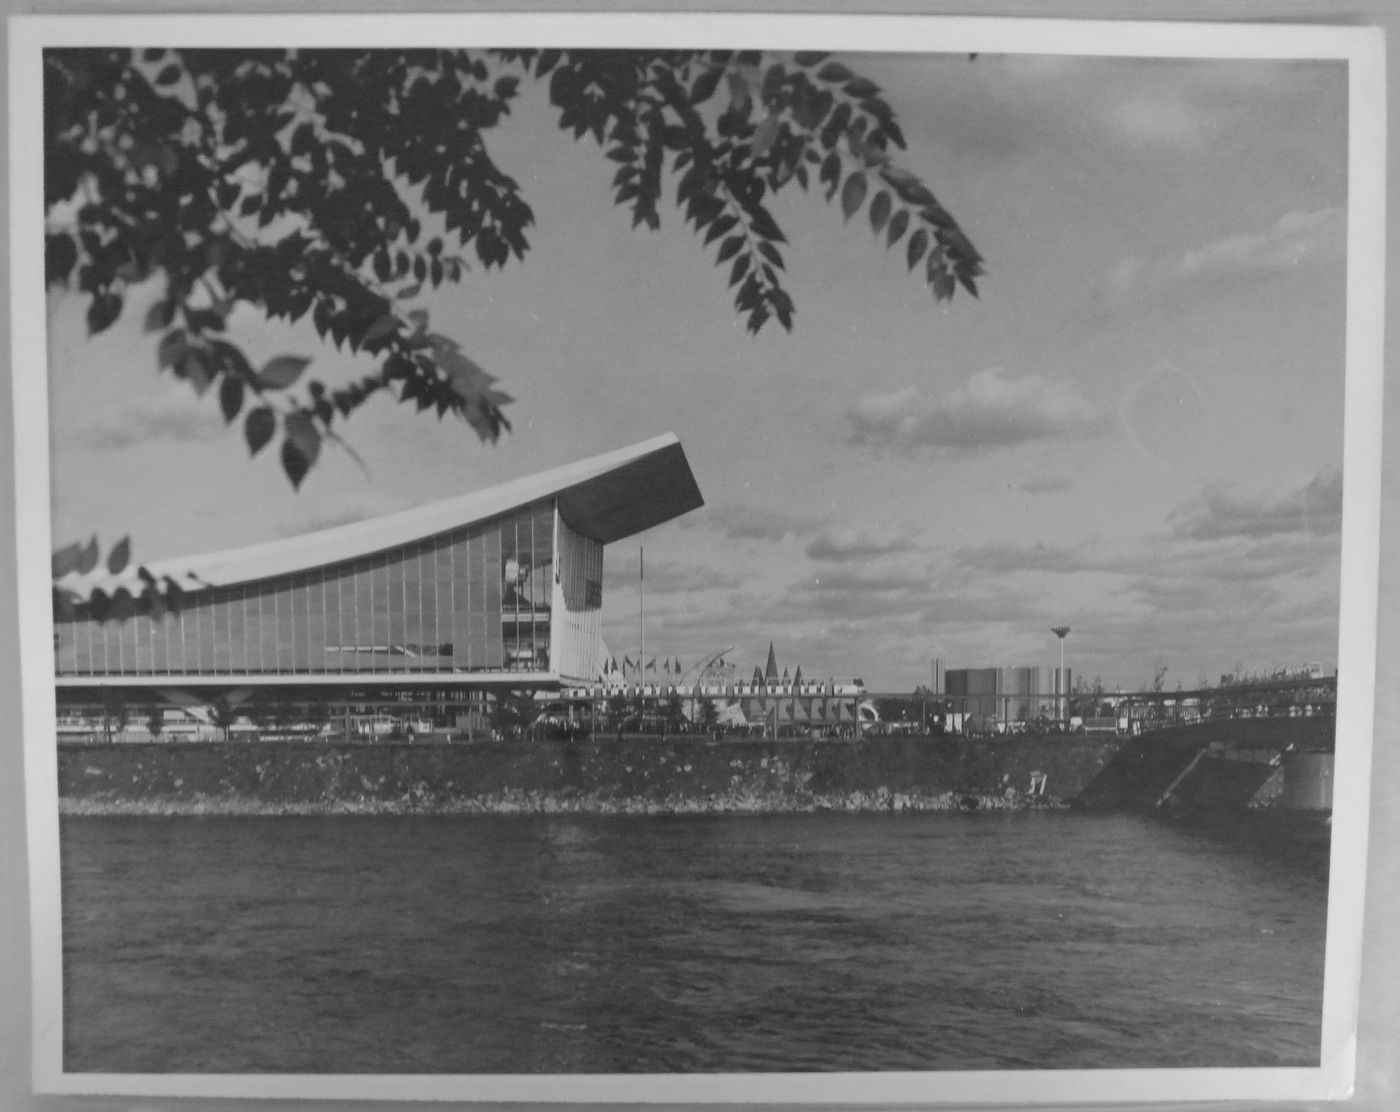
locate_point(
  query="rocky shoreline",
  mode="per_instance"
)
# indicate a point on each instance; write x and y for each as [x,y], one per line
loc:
[639,776]
[534,803]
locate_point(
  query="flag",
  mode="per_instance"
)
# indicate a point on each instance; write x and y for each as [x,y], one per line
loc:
[678,665]
[667,665]
[651,665]
[626,664]
[614,664]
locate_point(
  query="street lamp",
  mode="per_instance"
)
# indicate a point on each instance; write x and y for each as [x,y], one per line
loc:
[1061,632]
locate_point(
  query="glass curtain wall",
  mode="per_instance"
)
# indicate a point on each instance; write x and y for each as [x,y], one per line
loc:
[470,600]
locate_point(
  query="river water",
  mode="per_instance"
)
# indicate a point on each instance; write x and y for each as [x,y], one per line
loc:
[742,943]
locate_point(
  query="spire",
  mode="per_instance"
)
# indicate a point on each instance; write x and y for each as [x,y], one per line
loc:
[771,672]
[757,677]
[797,677]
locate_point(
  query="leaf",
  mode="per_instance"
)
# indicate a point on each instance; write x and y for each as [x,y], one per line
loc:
[258,428]
[230,397]
[879,210]
[153,600]
[103,310]
[834,72]
[765,135]
[65,604]
[941,281]
[706,84]
[172,349]
[159,316]
[301,430]
[119,557]
[896,228]
[386,325]
[195,368]
[201,319]
[169,75]
[547,60]
[765,225]
[65,560]
[721,225]
[280,372]
[729,248]
[739,96]
[294,463]
[87,558]
[918,242]
[741,264]
[852,194]
[60,257]
[808,58]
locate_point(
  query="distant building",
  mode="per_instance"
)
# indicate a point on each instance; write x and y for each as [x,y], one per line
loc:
[771,699]
[997,696]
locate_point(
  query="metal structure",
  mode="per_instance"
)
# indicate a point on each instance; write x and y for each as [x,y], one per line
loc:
[1062,631]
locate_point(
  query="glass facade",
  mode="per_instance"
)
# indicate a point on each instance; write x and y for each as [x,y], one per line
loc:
[474,599]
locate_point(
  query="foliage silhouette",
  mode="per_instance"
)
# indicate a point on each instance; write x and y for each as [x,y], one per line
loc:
[297,183]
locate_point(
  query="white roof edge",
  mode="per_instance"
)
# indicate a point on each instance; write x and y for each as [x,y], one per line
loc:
[360,538]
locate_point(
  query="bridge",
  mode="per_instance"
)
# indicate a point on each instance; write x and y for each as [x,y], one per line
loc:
[1133,712]
[1219,764]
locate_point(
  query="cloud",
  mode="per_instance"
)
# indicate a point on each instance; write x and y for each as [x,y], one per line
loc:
[1294,240]
[754,523]
[840,548]
[1179,594]
[1160,121]
[175,416]
[1315,509]
[1046,486]
[993,410]
[861,594]
[1002,558]
[665,577]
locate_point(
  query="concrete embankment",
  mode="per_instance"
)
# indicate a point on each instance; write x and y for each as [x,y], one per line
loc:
[606,776]
[1213,765]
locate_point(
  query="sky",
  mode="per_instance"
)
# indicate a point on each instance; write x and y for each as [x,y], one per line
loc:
[1136,431]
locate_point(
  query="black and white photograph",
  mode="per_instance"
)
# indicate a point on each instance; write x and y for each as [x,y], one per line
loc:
[700,558]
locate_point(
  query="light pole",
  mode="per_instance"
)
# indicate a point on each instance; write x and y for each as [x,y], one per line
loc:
[1062,632]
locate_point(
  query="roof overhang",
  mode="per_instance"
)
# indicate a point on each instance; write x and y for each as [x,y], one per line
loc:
[607,498]
[633,496]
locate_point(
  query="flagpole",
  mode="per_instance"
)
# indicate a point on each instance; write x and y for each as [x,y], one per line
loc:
[642,613]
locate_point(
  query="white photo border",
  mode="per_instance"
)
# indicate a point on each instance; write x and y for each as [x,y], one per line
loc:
[1362,49]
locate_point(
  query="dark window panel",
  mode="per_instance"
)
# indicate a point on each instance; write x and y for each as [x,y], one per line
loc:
[316,622]
[223,608]
[237,631]
[155,629]
[267,628]
[206,635]
[381,595]
[286,625]
[300,622]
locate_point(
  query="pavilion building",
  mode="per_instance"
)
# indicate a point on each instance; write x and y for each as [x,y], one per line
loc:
[499,588]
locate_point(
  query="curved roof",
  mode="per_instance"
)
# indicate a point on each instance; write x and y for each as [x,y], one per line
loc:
[607,498]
